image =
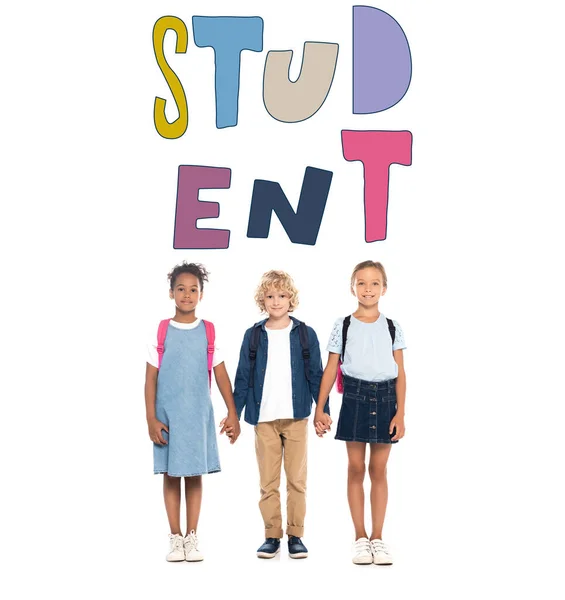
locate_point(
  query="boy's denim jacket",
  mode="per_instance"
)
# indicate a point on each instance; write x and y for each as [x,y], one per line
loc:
[302,393]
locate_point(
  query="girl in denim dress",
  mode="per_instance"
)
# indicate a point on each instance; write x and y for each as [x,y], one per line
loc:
[372,410]
[180,416]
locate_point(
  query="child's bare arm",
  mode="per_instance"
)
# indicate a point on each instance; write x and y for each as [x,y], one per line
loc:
[154,426]
[398,419]
[328,379]
[230,424]
[322,421]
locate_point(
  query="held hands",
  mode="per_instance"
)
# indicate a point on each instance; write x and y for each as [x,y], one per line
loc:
[156,431]
[230,426]
[398,424]
[322,423]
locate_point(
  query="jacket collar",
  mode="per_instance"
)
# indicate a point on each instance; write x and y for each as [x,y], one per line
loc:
[295,323]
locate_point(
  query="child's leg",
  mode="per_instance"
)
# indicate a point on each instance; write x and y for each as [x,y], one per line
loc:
[295,442]
[171,492]
[269,450]
[193,493]
[379,486]
[355,493]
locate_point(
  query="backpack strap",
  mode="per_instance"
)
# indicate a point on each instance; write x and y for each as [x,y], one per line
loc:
[211,339]
[304,342]
[346,323]
[391,329]
[161,335]
[253,345]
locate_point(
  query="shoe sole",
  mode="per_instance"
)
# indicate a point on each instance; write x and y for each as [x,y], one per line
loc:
[194,559]
[299,555]
[267,554]
[382,564]
[175,559]
[363,561]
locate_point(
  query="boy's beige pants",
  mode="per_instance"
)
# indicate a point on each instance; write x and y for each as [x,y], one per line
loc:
[275,441]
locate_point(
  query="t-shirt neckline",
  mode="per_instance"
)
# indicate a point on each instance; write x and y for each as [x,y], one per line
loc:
[365,323]
[180,325]
[287,328]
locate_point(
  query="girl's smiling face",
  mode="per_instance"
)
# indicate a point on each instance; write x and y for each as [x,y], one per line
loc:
[277,302]
[186,292]
[368,286]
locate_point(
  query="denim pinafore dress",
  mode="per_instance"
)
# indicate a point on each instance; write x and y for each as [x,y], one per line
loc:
[184,404]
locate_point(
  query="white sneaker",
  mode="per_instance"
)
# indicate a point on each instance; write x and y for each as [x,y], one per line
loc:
[176,552]
[362,552]
[192,554]
[381,553]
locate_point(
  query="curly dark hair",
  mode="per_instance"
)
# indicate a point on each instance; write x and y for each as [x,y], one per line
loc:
[195,269]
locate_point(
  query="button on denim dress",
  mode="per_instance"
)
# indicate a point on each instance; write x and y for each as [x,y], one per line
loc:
[184,404]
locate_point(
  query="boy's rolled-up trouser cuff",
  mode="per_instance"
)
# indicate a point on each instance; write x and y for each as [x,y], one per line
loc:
[274,532]
[294,530]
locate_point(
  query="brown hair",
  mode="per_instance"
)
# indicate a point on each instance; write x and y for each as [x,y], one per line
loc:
[367,264]
[280,281]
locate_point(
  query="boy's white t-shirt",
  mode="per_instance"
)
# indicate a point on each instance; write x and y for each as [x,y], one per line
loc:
[276,402]
[153,356]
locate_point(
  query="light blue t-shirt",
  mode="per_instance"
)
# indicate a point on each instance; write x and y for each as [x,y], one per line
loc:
[368,349]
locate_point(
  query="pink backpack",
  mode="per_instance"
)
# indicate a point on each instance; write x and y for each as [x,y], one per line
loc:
[210,338]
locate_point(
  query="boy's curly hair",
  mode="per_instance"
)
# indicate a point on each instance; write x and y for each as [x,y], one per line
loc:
[280,281]
[366,264]
[196,269]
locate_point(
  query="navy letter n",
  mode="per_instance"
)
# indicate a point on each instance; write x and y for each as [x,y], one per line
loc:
[301,227]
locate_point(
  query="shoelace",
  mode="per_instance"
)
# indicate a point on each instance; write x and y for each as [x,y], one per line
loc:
[191,542]
[177,542]
[379,547]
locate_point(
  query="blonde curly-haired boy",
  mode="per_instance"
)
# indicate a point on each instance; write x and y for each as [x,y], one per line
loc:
[278,378]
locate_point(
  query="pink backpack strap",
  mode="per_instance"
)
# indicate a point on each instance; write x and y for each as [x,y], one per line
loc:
[339,382]
[161,335]
[211,339]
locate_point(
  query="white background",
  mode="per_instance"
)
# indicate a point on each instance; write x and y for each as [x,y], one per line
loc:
[473,256]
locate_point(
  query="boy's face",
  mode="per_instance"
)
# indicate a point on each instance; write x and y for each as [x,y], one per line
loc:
[277,302]
[368,286]
[186,292]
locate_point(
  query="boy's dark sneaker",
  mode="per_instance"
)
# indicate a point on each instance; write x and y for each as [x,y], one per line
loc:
[296,549]
[269,548]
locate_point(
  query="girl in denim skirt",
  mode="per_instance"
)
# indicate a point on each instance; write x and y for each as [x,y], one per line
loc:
[180,359]
[367,348]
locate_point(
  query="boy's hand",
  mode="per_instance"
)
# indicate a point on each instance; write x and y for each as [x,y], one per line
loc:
[230,426]
[155,431]
[398,424]
[322,423]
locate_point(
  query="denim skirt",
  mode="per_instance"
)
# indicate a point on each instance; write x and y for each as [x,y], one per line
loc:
[366,411]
